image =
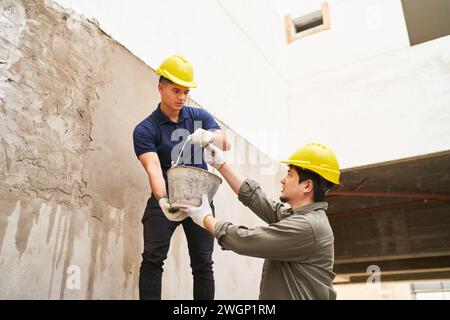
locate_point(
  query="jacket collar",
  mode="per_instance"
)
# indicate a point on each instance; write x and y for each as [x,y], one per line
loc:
[310,207]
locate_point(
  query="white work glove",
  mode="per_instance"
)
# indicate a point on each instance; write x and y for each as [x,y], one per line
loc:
[202,137]
[169,213]
[214,156]
[198,214]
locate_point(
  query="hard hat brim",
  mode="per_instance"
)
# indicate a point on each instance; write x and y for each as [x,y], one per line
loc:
[328,174]
[171,77]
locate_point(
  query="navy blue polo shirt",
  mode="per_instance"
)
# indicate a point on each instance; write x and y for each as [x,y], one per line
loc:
[157,133]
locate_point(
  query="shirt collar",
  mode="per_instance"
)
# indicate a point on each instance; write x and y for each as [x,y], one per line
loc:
[162,118]
[311,207]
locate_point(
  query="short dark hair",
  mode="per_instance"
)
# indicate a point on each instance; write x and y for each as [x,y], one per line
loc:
[164,80]
[320,185]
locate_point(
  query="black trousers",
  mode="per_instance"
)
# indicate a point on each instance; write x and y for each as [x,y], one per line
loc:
[158,231]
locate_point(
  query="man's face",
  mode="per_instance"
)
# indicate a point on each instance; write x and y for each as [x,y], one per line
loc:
[291,189]
[173,95]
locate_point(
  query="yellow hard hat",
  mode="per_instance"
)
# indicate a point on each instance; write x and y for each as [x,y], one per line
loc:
[178,70]
[318,158]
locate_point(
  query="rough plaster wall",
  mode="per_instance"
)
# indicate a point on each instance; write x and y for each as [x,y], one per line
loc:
[71,190]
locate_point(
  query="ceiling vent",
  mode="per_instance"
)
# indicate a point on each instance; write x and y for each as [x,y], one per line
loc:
[308,24]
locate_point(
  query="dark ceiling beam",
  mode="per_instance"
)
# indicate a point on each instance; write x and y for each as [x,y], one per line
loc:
[411,195]
[416,265]
[438,275]
[380,208]
[396,257]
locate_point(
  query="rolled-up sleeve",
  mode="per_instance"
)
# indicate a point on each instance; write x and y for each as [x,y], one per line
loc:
[286,240]
[251,195]
[220,230]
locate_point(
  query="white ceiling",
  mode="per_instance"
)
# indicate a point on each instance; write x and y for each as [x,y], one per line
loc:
[297,7]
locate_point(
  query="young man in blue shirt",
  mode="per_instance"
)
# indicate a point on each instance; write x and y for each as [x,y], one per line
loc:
[157,140]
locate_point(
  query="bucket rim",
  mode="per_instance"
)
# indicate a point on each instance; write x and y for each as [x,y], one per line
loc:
[195,168]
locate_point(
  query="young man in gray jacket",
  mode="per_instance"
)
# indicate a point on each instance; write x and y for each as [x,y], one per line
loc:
[298,243]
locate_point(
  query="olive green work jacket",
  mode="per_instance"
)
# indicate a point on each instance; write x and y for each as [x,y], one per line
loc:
[297,245]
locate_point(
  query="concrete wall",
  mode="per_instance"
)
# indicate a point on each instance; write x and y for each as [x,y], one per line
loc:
[392,106]
[72,192]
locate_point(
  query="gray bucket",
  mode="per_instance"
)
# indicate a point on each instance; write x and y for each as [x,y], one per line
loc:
[187,184]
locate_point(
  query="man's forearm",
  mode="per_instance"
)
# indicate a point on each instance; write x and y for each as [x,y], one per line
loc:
[234,178]
[210,224]
[152,166]
[157,185]
[221,141]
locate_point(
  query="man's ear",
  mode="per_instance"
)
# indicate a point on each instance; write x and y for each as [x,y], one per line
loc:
[160,86]
[309,185]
